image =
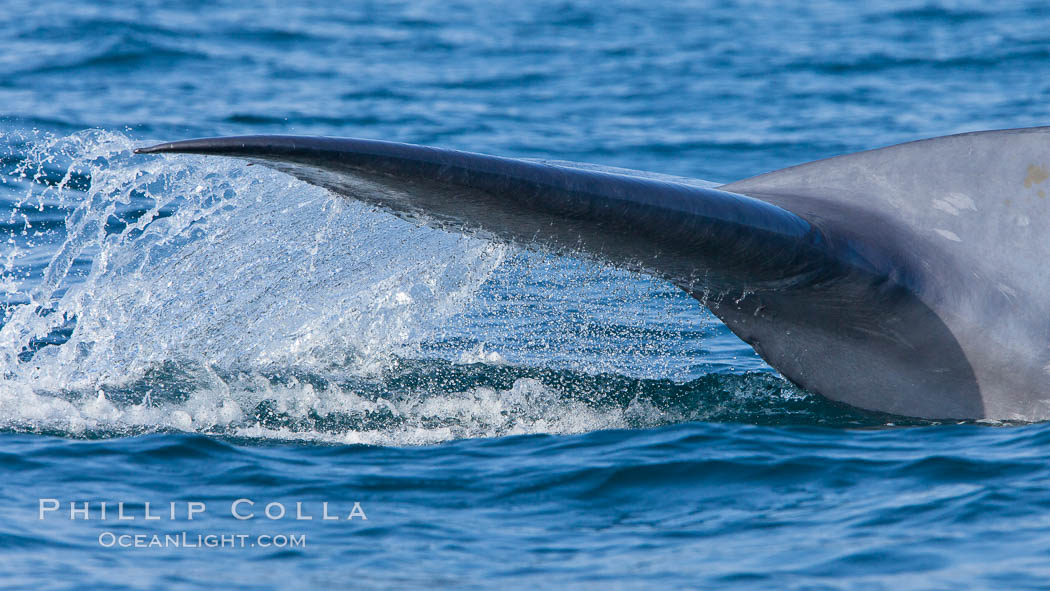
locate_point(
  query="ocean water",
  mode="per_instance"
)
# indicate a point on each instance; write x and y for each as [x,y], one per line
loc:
[312,394]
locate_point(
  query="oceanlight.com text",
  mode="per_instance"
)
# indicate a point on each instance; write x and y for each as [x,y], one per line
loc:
[108,539]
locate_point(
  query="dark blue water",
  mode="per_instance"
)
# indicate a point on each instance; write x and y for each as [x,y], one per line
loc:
[190,333]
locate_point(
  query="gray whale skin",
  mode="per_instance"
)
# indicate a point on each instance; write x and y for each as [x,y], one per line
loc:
[909,280]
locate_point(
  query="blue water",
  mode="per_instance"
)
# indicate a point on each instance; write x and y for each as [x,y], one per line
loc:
[190,332]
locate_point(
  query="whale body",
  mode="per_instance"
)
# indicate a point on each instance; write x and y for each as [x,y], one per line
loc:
[909,280]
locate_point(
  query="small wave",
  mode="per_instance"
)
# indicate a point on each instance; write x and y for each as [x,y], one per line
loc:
[300,118]
[931,13]
[119,52]
[413,402]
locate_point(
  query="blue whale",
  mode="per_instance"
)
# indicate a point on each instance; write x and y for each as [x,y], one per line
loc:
[909,280]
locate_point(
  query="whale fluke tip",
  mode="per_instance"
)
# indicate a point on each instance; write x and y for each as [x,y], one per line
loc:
[153,149]
[233,146]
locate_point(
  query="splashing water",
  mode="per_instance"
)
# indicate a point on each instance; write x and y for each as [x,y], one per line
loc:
[210,265]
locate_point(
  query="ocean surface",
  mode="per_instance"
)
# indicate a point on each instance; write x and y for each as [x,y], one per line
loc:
[311,394]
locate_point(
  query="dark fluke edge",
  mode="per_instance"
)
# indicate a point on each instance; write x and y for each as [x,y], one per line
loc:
[906,280]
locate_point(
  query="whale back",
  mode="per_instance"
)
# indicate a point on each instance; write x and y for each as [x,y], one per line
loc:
[968,215]
[983,197]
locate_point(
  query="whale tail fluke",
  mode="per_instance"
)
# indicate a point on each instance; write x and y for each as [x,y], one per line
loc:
[867,278]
